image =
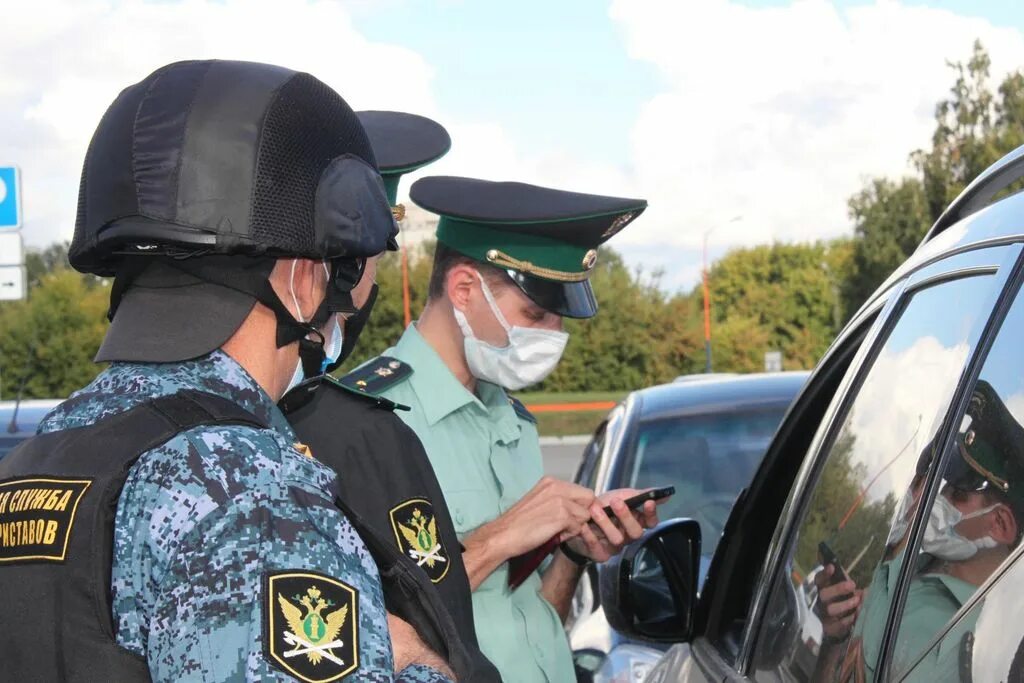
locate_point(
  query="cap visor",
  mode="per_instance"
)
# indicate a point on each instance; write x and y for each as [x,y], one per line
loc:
[567,299]
[174,318]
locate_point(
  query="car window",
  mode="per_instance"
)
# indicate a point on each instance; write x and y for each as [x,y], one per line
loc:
[708,458]
[587,474]
[986,643]
[869,464]
[977,517]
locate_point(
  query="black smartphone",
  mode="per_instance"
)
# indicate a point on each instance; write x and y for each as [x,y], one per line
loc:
[828,557]
[641,498]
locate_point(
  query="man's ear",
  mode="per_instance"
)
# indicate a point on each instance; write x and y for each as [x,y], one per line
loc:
[1004,526]
[309,285]
[459,285]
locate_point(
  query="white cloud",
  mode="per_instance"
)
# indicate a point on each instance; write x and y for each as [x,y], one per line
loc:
[779,114]
[74,56]
[894,421]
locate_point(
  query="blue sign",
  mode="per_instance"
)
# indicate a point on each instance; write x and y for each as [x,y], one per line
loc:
[10,205]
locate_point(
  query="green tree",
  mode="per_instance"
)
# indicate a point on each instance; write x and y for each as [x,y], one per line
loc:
[890,218]
[50,338]
[974,127]
[782,297]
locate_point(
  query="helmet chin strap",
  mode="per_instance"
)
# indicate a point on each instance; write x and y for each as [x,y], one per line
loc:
[252,277]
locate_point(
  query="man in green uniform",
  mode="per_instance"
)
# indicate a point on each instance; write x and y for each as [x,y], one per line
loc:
[512,260]
[972,527]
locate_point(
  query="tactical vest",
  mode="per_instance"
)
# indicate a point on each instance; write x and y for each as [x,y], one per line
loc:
[379,475]
[58,498]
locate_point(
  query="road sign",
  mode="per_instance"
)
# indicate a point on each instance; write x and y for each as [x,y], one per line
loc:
[10,198]
[13,283]
[11,251]
[773,361]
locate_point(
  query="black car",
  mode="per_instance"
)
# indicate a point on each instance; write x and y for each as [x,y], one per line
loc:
[703,434]
[896,481]
[18,421]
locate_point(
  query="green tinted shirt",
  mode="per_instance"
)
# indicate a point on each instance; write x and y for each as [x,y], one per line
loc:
[486,458]
[932,600]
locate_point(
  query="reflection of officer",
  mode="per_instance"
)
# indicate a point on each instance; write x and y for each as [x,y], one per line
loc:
[972,528]
[235,204]
[384,475]
[511,261]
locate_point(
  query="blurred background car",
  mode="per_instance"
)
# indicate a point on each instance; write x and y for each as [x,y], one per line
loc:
[18,420]
[705,436]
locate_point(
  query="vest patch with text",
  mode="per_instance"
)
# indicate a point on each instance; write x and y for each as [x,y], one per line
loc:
[36,517]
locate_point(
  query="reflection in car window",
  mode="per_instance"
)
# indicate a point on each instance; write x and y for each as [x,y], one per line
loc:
[816,623]
[708,458]
[987,644]
[591,456]
[978,516]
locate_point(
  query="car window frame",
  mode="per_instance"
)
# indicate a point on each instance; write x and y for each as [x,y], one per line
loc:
[738,551]
[979,262]
[1011,274]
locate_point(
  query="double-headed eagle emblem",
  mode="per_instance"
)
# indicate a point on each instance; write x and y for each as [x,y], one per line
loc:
[311,633]
[311,625]
[415,528]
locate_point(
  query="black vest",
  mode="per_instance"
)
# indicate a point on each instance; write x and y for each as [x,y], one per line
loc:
[385,478]
[58,498]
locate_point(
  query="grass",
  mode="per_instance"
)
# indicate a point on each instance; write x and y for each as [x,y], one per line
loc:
[570,423]
[541,397]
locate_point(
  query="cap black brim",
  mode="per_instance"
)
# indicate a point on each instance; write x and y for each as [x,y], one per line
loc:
[567,299]
[171,323]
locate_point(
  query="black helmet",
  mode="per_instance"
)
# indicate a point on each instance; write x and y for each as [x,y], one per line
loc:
[202,174]
[224,157]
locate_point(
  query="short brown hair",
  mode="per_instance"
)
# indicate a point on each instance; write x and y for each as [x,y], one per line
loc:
[446,258]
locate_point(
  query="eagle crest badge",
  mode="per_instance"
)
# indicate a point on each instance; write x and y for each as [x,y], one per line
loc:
[311,625]
[415,527]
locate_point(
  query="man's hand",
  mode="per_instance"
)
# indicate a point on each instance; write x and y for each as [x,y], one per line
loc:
[838,604]
[409,648]
[608,536]
[551,508]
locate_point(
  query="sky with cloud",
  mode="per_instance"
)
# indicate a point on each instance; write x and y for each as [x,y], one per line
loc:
[773,111]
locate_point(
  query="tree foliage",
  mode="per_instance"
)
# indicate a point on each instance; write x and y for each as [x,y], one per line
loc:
[974,127]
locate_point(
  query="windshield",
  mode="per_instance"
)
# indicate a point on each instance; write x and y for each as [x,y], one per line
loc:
[708,458]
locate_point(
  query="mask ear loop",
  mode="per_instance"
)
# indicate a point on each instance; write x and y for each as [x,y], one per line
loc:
[493,304]
[291,290]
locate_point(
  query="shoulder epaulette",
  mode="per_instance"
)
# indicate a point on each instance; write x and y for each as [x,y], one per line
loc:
[521,410]
[377,376]
[379,401]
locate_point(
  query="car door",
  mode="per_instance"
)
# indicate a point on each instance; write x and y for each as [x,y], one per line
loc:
[868,451]
[956,616]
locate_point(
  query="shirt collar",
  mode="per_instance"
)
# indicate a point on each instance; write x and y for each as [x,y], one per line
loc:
[440,393]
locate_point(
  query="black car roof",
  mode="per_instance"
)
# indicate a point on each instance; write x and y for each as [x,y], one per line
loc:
[718,394]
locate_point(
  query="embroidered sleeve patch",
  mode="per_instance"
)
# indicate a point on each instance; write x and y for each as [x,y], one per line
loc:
[310,625]
[36,516]
[415,528]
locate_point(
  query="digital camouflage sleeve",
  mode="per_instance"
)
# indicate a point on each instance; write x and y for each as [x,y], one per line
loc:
[230,560]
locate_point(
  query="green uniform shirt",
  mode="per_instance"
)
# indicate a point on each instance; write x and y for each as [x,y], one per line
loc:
[486,458]
[932,600]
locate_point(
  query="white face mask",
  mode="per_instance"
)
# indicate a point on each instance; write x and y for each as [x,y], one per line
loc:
[332,347]
[901,522]
[531,354]
[299,374]
[941,538]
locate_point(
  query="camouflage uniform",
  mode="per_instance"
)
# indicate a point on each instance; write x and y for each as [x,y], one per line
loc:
[203,518]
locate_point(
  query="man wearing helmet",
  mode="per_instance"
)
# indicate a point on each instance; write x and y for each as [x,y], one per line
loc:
[165,523]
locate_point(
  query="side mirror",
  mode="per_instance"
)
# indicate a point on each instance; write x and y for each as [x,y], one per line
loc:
[587,662]
[649,590]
